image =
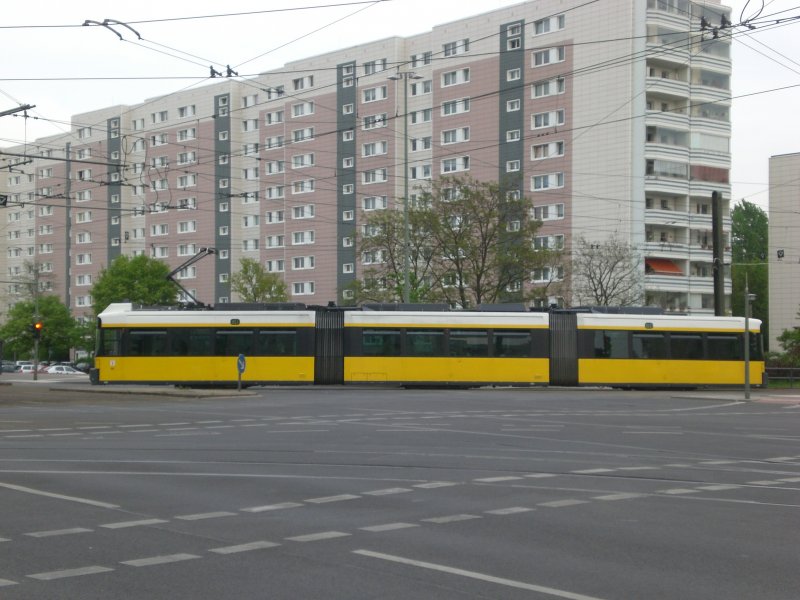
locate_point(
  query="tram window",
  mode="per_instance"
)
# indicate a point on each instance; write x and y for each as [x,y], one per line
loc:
[686,346]
[649,345]
[512,344]
[191,341]
[147,342]
[276,343]
[233,342]
[381,342]
[611,344]
[756,351]
[425,343]
[469,343]
[724,347]
[109,342]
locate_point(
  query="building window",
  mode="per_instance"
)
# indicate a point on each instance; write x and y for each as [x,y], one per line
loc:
[512,165]
[513,74]
[374,94]
[455,77]
[549,150]
[275,117]
[547,181]
[551,87]
[419,88]
[302,109]
[454,48]
[348,109]
[512,105]
[453,136]
[303,288]
[455,107]
[302,238]
[548,119]
[375,176]
[512,135]
[374,203]
[348,215]
[514,43]
[374,148]
[452,165]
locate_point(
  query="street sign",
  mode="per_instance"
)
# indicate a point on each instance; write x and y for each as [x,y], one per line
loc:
[241,363]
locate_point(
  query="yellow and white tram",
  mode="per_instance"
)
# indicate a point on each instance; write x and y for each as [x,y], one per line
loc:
[422,347]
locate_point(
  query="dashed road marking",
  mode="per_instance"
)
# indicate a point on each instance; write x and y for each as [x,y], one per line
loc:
[260,545]
[434,484]
[49,576]
[718,487]
[139,523]
[512,510]
[327,499]
[57,532]
[266,507]
[591,471]
[158,560]
[562,503]
[497,479]
[677,491]
[451,519]
[389,527]
[388,491]
[208,515]
[620,496]
[316,537]
[7,582]
[540,475]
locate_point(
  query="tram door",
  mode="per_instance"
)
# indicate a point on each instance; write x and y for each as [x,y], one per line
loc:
[329,344]
[563,348]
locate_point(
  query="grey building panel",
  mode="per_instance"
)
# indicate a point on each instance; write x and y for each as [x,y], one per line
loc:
[114,237]
[222,220]
[345,175]
[511,58]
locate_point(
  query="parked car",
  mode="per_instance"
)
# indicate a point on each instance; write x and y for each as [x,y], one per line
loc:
[63,370]
[25,368]
[9,366]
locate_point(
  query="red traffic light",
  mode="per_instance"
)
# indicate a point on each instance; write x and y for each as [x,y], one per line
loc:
[38,326]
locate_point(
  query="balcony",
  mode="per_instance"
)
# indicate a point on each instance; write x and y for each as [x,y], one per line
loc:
[668,218]
[672,119]
[655,150]
[667,250]
[672,15]
[672,88]
[666,185]
[666,50]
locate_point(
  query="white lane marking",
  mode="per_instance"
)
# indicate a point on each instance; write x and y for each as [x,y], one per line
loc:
[55,532]
[718,487]
[475,575]
[764,482]
[653,432]
[208,515]
[512,510]
[64,434]
[591,471]
[316,537]
[158,560]
[207,422]
[138,425]
[620,496]
[678,466]
[28,435]
[171,424]
[106,432]
[70,573]
[561,503]
[7,582]
[389,527]
[244,547]
[637,468]
[182,428]
[257,425]
[540,475]
[718,462]
[5,539]
[434,484]
[677,491]
[241,420]
[280,506]
[55,429]
[14,430]
[790,479]
[126,524]
[326,499]
[782,458]
[496,479]
[95,427]
[27,490]
[220,427]
[388,491]
[142,430]
[451,518]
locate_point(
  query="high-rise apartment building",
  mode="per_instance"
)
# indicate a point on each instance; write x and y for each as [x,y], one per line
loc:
[784,247]
[613,117]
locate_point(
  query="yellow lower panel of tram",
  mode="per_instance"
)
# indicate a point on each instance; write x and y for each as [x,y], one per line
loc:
[610,371]
[445,370]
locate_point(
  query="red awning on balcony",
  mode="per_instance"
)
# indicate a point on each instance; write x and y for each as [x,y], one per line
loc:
[661,266]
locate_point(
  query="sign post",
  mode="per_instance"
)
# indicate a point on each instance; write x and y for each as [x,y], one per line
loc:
[241,364]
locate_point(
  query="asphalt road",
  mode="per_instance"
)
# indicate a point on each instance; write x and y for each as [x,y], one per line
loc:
[328,493]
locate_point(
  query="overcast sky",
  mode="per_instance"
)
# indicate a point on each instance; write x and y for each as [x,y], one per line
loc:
[765,59]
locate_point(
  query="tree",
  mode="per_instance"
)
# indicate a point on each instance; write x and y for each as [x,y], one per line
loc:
[383,242]
[58,335]
[608,273]
[141,280]
[749,245]
[470,244]
[254,284]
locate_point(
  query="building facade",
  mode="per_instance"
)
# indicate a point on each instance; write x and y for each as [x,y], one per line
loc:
[614,120]
[784,248]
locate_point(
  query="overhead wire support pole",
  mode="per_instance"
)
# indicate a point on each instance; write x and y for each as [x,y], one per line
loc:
[404,75]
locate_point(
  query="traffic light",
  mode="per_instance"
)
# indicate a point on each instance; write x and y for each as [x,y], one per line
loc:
[36,329]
